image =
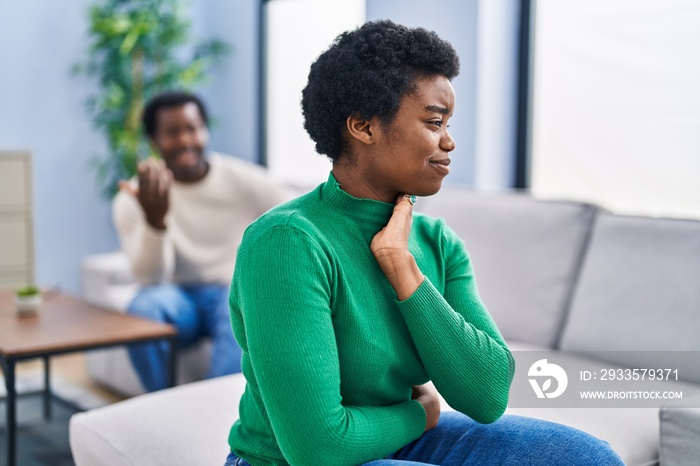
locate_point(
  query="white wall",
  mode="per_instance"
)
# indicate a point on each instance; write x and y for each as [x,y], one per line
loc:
[617,104]
[298,31]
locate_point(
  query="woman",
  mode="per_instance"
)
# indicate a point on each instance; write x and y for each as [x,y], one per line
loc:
[346,304]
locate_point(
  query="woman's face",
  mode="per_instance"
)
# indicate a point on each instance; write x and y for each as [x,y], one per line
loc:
[412,153]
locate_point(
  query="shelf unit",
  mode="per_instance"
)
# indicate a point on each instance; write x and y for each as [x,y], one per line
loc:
[16,219]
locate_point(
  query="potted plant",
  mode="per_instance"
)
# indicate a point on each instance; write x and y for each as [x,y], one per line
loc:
[137,49]
[27,300]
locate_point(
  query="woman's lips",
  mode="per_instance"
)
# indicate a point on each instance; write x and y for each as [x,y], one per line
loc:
[441,165]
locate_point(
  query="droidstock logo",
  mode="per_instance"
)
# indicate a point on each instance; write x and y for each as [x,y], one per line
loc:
[542,370]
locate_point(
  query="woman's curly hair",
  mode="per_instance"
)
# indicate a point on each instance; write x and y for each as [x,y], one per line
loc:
[367,72]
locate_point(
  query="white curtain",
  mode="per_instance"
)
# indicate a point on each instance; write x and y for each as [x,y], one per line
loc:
[298,31]
[616,104]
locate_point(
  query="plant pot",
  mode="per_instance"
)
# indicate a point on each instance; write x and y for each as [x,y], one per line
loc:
[28,305]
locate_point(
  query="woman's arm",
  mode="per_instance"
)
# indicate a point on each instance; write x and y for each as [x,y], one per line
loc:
[283,288]
[462,350]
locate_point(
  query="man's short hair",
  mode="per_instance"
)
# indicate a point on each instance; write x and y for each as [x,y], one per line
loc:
[168,100]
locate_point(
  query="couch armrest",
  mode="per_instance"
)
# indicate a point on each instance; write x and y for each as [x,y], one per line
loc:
[108,281]
[680,431]
[187,424]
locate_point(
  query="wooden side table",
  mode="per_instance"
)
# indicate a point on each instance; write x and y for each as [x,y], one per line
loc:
[65,324]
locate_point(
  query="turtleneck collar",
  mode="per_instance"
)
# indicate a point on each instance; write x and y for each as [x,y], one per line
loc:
[369,215]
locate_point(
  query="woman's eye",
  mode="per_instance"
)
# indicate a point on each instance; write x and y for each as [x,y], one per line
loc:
[437,123]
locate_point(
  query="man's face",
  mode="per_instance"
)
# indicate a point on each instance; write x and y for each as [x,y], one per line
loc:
[181,137]
[412,153]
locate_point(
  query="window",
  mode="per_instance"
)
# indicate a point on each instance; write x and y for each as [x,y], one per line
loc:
[297,32]
[616,104]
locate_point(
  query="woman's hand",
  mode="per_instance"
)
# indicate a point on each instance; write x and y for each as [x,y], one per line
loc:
[390,249]
[427,396]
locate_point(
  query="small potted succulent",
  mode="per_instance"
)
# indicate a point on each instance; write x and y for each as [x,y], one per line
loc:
[27,300]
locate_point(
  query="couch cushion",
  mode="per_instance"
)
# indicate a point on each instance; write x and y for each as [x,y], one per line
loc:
[183,425]
[525,253]
[639,289]
[632,433]
[680,431]
[112,367]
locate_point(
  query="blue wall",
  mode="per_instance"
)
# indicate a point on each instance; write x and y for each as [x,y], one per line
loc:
[232,92]
[41,109]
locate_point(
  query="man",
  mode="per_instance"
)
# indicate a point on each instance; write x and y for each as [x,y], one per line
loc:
[180,223]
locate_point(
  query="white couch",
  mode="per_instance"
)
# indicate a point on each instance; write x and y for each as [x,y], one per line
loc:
[563,277]
[108,282]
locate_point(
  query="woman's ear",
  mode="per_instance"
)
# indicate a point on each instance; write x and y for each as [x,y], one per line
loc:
[360,129]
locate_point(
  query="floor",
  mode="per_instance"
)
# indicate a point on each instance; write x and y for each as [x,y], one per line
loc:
[70,368]
[42,442]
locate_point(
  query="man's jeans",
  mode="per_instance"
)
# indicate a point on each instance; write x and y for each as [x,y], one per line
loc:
[196,311]
[511,441]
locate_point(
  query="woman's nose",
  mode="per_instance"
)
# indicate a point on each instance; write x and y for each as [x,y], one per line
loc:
[447,143]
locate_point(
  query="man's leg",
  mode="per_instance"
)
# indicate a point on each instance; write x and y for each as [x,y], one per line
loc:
[163,303]
[512,440]
[226,354]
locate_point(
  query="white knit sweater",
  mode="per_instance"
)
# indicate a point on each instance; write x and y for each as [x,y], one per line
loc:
[204,224]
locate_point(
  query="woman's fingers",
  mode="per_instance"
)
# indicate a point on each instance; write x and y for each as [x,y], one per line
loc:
[394,236]
[409,197]
[390,248]
[402,218]
[428,396]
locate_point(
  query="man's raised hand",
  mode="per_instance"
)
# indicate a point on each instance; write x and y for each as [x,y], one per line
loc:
[153,192]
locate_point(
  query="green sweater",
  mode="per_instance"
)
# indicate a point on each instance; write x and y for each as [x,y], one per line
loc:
[330,355]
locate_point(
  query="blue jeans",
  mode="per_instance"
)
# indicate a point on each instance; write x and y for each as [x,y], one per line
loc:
[195,311]
[512,440]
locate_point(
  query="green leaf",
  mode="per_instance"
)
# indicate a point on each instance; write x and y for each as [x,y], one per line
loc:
[26,291]
[128,43]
